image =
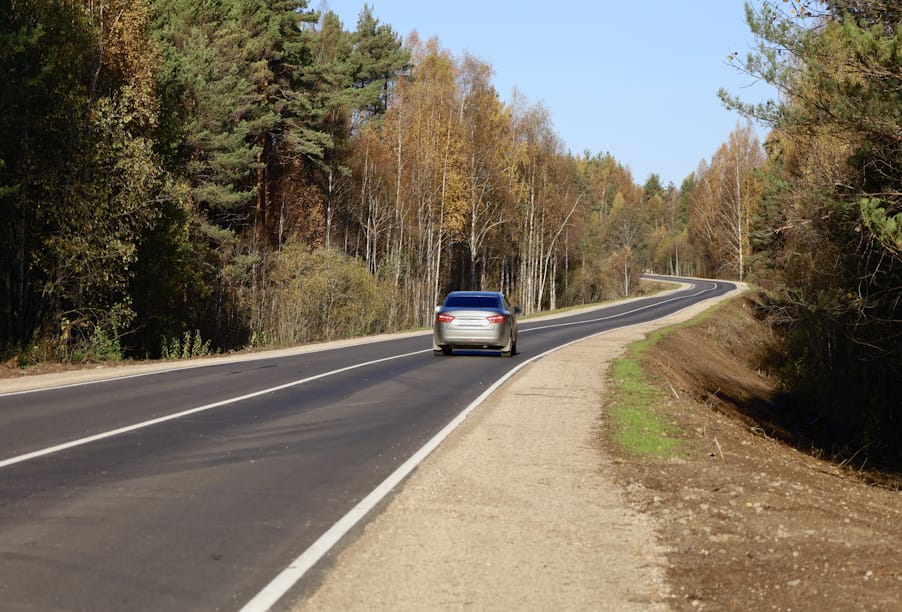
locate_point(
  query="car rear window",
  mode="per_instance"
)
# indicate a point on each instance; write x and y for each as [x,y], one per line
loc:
[471,301]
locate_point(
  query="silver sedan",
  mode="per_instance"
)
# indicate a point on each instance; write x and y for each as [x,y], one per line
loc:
[475,320]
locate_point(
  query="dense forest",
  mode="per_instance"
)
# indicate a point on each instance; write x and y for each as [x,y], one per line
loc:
[252,173]
[826,231]
[178,178]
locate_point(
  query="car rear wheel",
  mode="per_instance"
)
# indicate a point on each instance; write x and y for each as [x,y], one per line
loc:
[511,349]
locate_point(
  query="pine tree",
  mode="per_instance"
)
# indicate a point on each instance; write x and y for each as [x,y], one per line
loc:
[377,59]
[834,209]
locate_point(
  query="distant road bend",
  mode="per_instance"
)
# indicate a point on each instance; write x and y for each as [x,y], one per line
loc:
[195,489]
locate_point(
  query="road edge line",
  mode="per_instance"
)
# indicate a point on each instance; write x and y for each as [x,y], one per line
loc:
[273,592]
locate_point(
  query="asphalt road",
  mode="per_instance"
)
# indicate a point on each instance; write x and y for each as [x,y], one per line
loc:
[191,489]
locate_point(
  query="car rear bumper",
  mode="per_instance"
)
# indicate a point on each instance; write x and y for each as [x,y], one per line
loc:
[495,336]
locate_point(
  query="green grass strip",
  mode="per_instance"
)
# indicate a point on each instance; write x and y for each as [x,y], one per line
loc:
[638,428]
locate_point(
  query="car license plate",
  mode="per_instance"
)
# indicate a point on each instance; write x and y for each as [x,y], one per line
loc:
[471,322]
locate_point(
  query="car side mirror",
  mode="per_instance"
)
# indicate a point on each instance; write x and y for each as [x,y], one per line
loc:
[437,308]
[517,310]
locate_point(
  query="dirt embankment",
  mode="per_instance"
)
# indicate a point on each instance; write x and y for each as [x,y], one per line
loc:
[750,521]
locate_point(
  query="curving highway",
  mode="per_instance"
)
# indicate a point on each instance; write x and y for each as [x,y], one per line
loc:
[193,489]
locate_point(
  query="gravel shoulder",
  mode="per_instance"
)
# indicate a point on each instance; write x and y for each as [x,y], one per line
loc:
[517,509]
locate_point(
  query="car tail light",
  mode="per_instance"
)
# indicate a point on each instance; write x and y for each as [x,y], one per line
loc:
[496,319]
[444,318]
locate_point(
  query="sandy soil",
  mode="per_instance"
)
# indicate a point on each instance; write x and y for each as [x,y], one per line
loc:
[750,522]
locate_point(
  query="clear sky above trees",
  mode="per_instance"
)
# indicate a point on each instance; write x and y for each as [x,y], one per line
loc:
[638,80]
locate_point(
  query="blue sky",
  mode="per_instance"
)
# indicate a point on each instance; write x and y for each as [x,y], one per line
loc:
[636,79]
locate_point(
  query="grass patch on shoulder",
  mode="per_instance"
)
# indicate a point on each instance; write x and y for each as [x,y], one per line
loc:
[638,427]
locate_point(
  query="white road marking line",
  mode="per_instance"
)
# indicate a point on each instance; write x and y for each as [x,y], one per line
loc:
[83,383]
[287,578]
[212,362]
[622,314]
[115,432]
[280,585]
[271,594]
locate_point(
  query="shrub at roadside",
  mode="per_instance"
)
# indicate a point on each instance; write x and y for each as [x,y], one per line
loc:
[322,295]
